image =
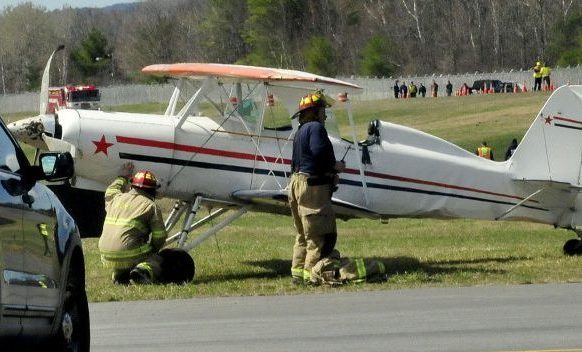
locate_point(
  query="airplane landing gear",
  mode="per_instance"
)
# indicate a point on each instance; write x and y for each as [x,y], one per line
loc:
[574,246]
[179,265]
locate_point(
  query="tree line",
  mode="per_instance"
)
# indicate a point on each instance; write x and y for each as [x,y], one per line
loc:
[328,37]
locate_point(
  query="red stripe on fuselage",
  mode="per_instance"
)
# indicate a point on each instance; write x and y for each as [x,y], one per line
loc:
[566,119]
[201,150]
[439,184]
[246,156]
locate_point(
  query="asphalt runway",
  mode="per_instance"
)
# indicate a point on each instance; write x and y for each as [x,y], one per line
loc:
[493,318]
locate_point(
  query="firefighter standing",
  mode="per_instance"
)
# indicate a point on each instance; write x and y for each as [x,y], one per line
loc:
[315,176]
[125,245]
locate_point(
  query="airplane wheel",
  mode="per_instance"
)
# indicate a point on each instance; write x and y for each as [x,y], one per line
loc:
[177,266]
[573,247]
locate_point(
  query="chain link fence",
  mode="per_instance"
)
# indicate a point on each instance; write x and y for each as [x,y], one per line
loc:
[374,88]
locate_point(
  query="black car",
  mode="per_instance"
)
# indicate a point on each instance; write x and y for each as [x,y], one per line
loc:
[498,86]
[42,272]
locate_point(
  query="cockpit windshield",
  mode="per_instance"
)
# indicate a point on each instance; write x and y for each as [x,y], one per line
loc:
[250,107]
[331,124]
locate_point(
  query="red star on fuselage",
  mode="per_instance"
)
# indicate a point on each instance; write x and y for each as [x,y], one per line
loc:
[548,120]
[102,145]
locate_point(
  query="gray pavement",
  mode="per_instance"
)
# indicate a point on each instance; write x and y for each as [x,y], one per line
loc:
[493,318]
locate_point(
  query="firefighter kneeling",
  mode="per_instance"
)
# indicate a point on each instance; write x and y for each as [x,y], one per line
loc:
[134,233]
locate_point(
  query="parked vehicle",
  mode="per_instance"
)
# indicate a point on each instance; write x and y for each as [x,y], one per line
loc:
[485,84]
[42,272]
[74,97]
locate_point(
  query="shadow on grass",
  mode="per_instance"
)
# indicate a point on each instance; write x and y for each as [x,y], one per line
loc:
[478,261]
[401,265]
[274,268]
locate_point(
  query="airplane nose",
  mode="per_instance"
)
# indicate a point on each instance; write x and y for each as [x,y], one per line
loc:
[30,130]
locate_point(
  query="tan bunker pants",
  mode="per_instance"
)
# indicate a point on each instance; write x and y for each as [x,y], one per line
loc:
[314,257]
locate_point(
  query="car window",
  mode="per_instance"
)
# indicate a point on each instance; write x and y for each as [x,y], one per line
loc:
[8,151]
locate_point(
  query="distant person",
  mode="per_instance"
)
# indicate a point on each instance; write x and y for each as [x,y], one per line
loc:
[484,151]
[511,149]
[403,90]
[422,90]
[449,88]
[537,74]
[412,90]
[434,89]
[396,89]
[465,90]
[546,71]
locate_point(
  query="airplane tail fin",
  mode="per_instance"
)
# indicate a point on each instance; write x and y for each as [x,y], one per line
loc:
[551,150]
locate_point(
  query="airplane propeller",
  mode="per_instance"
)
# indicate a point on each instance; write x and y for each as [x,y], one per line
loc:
[46,81]
[32,130]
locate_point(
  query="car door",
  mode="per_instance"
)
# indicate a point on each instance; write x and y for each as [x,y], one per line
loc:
[12,284]
[41,259]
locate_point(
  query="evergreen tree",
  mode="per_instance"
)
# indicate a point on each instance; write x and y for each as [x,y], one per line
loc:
[221,30]
[93,56]
[376,57]
[566,46]
[321,57]
[273,32]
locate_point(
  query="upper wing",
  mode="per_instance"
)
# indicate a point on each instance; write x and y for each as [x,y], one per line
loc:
[274,76]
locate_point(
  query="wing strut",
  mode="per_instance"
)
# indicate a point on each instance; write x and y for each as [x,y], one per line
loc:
[183,114]
[520,203]
[181,237]
[171,109]
[355,142]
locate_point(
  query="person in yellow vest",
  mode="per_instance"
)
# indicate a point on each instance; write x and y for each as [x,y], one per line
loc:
[133,231]
[314,179]
[545,72]
[484,151]
[537,74]
[412,90]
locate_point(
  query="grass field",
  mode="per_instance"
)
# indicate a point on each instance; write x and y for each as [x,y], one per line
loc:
[252,256]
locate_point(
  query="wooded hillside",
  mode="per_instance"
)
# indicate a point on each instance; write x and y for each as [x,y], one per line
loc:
[329,37]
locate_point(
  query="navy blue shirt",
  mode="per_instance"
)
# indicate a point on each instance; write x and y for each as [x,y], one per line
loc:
[312,150]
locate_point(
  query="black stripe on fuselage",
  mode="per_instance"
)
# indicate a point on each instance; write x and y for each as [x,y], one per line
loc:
[435,193]
[234,168]
[568,126]
[199,164]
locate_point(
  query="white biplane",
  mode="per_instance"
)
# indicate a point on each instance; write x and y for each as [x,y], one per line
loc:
[228,146]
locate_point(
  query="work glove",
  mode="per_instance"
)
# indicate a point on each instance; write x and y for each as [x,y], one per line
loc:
[340,166]
[126,170]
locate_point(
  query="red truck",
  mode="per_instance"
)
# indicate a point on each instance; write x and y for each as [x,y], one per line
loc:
[85,97]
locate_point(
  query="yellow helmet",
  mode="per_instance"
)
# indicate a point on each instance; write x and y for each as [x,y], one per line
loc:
[312,100]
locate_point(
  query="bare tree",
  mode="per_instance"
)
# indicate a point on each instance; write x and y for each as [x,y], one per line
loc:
[28,37]
[149,36]
[415,12]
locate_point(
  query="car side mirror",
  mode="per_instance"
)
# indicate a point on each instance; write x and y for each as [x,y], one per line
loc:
[57,166]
